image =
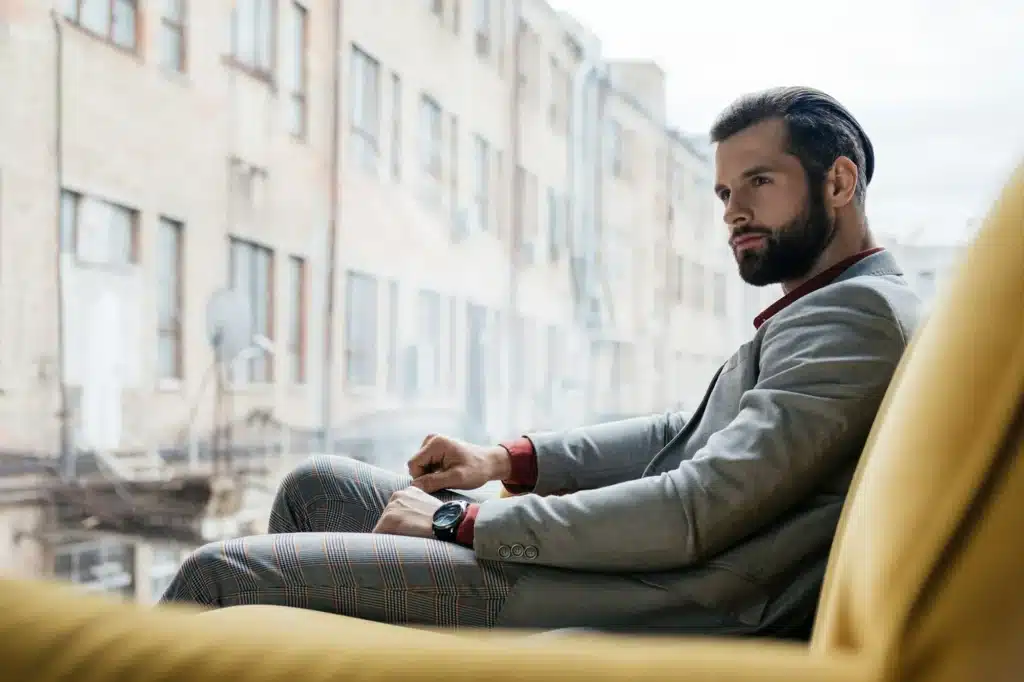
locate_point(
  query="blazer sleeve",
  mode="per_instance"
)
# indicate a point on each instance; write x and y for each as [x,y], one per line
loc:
[600,455]
[824,369]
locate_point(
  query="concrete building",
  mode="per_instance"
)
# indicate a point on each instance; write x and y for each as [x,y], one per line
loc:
[927,265]
[521,240]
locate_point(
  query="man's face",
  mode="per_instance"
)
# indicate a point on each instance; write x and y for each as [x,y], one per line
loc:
[778,226]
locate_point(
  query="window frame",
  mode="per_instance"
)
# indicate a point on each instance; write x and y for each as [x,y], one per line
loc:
[265,34]
[180,27]
[298,341]
[256,253]
[72,13]
[174,331]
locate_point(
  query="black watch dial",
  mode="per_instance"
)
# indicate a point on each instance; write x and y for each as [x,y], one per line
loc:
[447,519]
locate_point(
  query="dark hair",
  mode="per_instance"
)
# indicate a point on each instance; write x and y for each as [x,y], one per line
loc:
[819,128]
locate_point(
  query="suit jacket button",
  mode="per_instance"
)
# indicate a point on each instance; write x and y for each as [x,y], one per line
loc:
[517,550]
[504,552]
[531,552]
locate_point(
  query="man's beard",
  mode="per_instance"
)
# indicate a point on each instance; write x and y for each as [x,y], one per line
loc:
[789,252]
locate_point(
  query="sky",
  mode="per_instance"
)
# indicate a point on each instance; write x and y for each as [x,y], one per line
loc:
[937,84]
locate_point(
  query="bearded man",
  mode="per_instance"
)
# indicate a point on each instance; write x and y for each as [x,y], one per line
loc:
[717,522]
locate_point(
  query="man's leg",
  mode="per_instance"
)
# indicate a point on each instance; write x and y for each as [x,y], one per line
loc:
[320,555]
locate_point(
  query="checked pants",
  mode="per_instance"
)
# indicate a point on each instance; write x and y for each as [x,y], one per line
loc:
[320,555]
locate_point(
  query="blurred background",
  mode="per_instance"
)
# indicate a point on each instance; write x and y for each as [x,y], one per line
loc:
[235,234]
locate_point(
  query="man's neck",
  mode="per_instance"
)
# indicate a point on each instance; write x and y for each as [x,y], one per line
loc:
[846,244]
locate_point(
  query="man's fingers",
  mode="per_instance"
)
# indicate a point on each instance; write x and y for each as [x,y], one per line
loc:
[424,461]
[432,482]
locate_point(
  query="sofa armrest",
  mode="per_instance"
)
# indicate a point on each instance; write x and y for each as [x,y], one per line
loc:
[50,633]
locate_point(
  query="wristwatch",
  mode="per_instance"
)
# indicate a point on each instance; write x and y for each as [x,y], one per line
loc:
[448,518]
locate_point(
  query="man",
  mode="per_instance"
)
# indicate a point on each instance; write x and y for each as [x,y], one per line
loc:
[719,523]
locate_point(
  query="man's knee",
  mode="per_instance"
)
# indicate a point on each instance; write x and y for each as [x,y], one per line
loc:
[313,479]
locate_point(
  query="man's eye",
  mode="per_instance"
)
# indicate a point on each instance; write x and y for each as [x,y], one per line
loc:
[760,180]
[724,195]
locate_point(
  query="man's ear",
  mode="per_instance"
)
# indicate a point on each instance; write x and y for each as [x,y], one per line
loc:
[841,183]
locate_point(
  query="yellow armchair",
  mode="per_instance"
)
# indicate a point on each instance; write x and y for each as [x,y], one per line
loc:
[923,583]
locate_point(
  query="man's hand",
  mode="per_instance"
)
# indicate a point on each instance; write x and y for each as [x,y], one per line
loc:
[444,462]
[409,512]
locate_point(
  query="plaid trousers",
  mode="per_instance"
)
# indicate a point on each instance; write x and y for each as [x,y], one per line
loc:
[321,555]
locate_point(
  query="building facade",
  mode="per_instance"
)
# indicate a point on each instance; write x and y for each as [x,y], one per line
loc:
[519,239]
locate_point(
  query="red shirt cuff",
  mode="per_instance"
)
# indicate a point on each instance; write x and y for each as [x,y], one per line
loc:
[523,460]
[464,535]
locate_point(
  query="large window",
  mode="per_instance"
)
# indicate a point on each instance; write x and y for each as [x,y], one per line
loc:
[396,126]
[482,26]
[298,313]
[481,183]
[361,305]
[102,566]
[430,146]
[429,335]
[114,20]
[297,75]
[170,259]
[98,232]
[163,565]
[172,35]
[364,112]
[253,34]
[252,273]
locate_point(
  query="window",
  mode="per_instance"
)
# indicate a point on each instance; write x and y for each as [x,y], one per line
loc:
[719,294]
[298,296]
[170,260]
[360,330]
[396,126]
[101,566]
[437,7]
[252,273]
[114,20]
[453,161]
[297,80]
[558,106]
[697,286]
[482,24]
[481,182]
[172,35]
[615,149]
[526,185]
[98,232]
[554,221]
[253,35]
[365,112]
[453,327]
[430,138]
[429,328]
[394,308]
[163,565]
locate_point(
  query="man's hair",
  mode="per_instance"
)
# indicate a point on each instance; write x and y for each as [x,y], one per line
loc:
[819,130]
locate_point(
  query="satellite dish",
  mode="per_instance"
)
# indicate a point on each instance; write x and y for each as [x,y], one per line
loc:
[229,324]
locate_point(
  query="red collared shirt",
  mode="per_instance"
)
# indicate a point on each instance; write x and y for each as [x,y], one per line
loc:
[524,458]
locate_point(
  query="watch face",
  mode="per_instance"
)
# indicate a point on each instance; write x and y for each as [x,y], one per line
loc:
[447,515]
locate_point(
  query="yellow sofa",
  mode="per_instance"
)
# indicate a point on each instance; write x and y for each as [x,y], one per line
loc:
[924,583]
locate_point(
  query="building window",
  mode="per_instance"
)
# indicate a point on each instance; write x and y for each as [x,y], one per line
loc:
[170,260]
[298,297]
[172,35]
[429,356]
[253,35]
[453,161]
[430,145]
[482,26]
[98,232]
[615,149]
[719,293]
[453,329]
[481,183]
[163,565]
[114,20]
[558,106]
[697,286]
[100,566]
[365,109]
[556,237]
[298,73]
[252,273]
[396,126]
[361,330]
[437,8]
[394,308]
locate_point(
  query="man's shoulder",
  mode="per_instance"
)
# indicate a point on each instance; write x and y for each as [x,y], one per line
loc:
[867,296]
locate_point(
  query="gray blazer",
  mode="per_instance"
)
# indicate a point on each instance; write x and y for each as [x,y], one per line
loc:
[716,523]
